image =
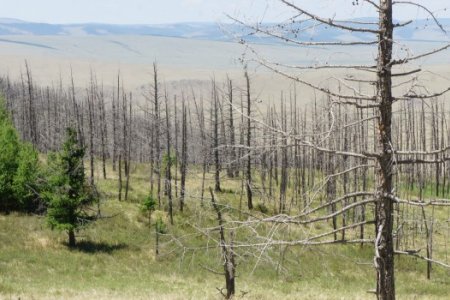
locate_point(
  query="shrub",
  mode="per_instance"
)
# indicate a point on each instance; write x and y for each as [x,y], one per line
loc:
[262,208]
[160,226]
[149,206]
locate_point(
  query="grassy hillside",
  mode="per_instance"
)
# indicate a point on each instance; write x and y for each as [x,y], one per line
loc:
[115,259]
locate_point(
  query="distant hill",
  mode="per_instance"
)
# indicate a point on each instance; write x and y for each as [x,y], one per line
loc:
[419,30]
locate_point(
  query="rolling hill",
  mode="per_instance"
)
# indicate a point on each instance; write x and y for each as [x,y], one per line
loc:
[419,30]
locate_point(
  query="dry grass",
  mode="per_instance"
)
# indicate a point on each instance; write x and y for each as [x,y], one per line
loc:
[116,260]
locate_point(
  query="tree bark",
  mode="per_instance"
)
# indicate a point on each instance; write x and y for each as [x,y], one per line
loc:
[216,140]
[72,241]
[183,156]
[384,257]
[169,165]
[249,152]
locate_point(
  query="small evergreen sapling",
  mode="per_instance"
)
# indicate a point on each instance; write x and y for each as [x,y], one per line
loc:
[149,206]
[68,194]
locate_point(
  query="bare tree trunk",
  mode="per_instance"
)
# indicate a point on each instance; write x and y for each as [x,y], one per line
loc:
[201,123]
[183,155]
[103,131]
[157,131]
[284,160]
[227,252]
[345,179]
[233,168]
[90,103]
[76,110]
[249,152]
[177,152]
[216,139]
[128,147]
[115,117]
[151,128]
[428,234]
[124,148]
[72,240]
[169,165]
[120,176]
[384,248]
[31,109]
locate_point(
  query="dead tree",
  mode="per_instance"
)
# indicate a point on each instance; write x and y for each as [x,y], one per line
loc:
[184,150]
[385,157]
[128,144]
[284,161]
[76,110]
[157,121]
[91,95]
[115,117]
[205,152]
[168,181]
[229,265]
[233,170]
[215,134]
[32,123]
[248,140]
[384,244]
[103,129]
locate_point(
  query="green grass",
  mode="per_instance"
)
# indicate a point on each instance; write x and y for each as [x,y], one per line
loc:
[116,258]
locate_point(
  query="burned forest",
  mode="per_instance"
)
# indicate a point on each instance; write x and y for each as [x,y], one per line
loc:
[335,185]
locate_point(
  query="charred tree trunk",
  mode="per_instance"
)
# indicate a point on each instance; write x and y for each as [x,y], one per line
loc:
[157,132]
[33,137]
[128,147]
[177,152]
[216,140]
[384,248]
[284,160]
[76,111]
[227,252]
[124,147]
[169,165]
[183,156]
[90,103]
[233,168]
[114,122]
[72,240]
[249,152]
[103,131]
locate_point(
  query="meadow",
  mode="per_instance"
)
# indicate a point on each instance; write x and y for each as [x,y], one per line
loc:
[115,257]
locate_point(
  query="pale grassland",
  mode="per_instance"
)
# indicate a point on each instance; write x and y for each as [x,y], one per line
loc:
[185,63]
[115,259]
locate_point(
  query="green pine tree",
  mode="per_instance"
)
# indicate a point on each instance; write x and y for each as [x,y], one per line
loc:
[19,169]
[9,147]
[26,180]
[68,194]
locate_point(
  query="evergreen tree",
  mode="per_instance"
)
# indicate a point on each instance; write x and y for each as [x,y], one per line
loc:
[68,194]
[9,147]
[19,169]
[26,180]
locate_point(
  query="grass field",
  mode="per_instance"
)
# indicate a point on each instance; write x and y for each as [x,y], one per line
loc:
[115,259]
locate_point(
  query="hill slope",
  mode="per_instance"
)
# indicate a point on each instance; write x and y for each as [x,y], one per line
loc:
[419,30]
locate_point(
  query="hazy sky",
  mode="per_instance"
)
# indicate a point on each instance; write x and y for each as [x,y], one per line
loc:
[172,11]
